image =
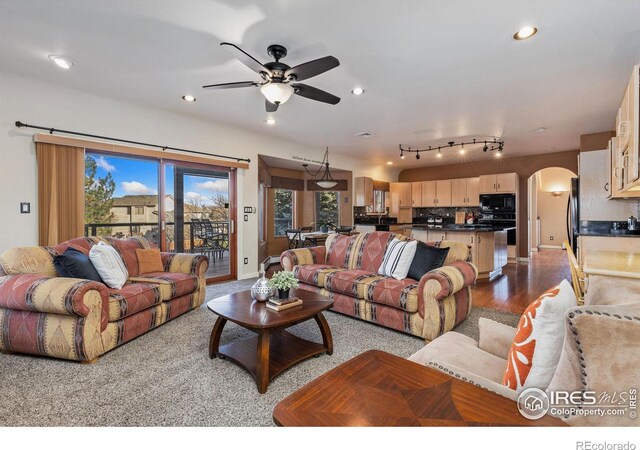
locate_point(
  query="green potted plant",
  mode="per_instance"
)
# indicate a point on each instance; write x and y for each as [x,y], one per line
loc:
[283,282]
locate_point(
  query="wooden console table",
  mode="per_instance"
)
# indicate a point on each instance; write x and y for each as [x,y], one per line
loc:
[380,389]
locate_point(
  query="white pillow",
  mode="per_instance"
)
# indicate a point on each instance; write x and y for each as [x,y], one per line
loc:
[109,265]
[535,351]
[398,258]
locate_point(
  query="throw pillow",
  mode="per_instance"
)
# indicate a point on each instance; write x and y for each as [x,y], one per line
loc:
[149,260]
[75,264]
[397,259]
[426,259]
[109,265]
[536,348]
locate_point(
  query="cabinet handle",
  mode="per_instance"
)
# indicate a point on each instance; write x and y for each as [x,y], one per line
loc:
[498,185]
[479,240]
[494,186]
[472,239]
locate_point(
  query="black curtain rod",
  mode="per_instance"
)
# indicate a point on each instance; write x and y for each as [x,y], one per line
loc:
[126,141]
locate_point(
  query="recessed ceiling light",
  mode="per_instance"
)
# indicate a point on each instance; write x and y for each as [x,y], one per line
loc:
[363,134]
[539,130]
[389,163]
[270,121]
[62,61]
[188,98]
[357,91]
[525,33]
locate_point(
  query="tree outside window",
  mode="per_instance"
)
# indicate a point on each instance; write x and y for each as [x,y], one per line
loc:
[327,208]
[283,211]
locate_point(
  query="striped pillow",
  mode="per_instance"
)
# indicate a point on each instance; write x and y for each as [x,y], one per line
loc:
[398,258]
[109,265]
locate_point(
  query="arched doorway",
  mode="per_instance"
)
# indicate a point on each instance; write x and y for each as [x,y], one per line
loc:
[548,191]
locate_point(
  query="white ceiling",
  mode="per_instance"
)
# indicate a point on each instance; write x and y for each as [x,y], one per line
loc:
[432,70]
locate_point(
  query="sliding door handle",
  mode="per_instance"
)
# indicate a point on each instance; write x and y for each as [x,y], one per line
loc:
[232,226]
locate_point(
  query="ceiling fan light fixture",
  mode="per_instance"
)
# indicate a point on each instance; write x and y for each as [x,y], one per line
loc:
[277,93]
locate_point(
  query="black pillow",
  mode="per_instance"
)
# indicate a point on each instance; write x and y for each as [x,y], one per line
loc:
[75,264]
[426,259]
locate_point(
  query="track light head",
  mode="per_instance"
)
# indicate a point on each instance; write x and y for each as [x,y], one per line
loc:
[418,155]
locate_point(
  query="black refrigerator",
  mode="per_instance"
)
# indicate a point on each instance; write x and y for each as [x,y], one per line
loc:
[573,214]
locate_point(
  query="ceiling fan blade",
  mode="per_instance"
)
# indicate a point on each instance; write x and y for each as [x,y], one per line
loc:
[304,90]
[247,59]
[238,84]
[270,107]
[312,68]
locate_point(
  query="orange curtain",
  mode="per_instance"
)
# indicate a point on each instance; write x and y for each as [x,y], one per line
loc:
[60,192]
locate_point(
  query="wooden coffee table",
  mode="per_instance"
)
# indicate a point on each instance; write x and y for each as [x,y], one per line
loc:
[274,349]
[380,389]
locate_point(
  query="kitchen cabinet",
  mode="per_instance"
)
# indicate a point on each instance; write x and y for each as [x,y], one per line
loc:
[437,235]
[443,193]
[627,132]
[465,192]
[428,193]
[416,194]
[499,183]
[400,199]
[363,191]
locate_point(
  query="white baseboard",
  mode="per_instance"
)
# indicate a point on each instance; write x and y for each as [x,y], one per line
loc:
[522,259]
[555,247]
[534,249]
[249,275]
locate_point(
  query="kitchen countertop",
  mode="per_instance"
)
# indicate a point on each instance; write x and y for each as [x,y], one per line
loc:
[605,234]
[462,228]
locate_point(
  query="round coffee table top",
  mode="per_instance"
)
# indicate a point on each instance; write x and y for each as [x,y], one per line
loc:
[240,308]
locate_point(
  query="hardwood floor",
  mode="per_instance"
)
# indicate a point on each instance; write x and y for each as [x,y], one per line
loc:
[522,283]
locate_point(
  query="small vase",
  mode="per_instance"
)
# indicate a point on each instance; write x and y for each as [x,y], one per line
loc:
[260,290]
[283,294]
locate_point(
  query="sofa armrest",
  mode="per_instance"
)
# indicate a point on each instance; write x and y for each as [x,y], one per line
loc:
[189,263]
[474,379]
[495,337]
[302,256]
[53,295]
[447,280]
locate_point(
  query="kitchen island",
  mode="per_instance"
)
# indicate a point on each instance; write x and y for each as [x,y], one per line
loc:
[488,243]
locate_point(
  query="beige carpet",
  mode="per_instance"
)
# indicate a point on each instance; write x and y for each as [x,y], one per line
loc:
[165,377]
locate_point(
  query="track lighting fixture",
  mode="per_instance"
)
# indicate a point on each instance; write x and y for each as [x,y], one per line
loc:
[488,146]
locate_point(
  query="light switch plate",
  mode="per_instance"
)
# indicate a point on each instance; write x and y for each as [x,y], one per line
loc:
[25,208]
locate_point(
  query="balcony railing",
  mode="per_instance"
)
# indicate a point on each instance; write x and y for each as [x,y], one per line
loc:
[200,236]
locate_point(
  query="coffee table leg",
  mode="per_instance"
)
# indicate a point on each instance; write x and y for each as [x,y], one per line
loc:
[214,340]
[262,373]
[327,339]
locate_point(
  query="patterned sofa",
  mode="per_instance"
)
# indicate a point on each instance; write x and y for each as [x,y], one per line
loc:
[69,318]
[345,269]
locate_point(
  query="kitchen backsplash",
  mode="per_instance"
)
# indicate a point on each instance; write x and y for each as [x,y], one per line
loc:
[444,212]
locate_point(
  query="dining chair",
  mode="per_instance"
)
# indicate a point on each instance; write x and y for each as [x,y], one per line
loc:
[308,229]
[577,275]
[293,236]
[344,230]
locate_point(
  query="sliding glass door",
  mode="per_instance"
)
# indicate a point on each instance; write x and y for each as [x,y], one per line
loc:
[200,215]
[177,207]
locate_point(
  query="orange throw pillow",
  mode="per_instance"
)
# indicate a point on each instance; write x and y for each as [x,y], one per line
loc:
[536,348]
[149,261]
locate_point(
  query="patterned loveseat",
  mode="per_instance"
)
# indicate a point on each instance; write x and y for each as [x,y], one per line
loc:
[345,269]
[69,318]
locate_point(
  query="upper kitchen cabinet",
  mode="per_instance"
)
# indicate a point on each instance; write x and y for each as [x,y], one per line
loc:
[500,183]
[428,193]
[434,193]
[416,194]
[363,191]
[443,193]
[400,195]
[627,129]
[465,192]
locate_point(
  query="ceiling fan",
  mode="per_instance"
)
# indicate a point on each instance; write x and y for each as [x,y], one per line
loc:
[279,81]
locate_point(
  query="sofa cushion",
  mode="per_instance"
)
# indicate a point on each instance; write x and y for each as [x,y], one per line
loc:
[126,248]
[338,249]
[401,294]
[132,298]
[398,258]
[73,263]
[535,351]
[149,260]
[171,284]
[461,351]
[313,274]
[426,259]
[109,265]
